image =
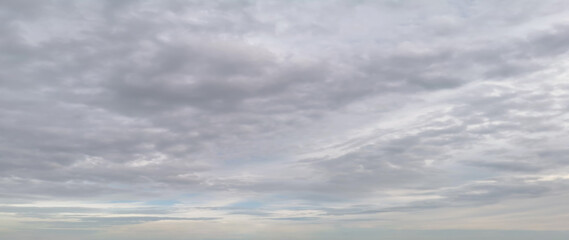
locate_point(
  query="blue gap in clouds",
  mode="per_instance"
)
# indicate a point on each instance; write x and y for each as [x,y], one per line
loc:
[246,204]
[161,202]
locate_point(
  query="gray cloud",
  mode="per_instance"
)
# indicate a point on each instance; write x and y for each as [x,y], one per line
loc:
[311,102]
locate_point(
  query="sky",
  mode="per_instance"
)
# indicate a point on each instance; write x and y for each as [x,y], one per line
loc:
[274,119]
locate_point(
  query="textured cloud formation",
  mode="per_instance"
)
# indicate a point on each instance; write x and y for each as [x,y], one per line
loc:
[301,119]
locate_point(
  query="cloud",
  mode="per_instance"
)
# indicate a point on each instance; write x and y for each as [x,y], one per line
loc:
[324,109]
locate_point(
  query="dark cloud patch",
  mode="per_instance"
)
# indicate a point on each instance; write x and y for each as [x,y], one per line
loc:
[98,222]
[469,195]
[251,213]
[481,193]
[296,219]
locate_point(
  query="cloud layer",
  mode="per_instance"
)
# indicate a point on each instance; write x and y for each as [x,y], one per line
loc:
[288,115]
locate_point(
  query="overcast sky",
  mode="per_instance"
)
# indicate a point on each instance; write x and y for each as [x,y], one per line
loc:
[297,119]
